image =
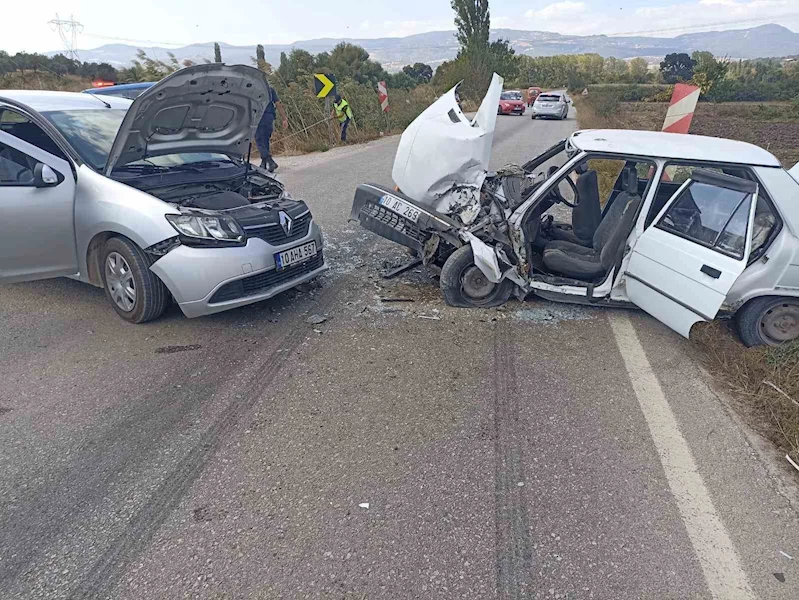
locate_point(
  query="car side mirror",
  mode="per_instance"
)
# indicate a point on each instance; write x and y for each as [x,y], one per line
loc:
[44,176]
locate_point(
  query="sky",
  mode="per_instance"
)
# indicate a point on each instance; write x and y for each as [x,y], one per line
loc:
[181,22]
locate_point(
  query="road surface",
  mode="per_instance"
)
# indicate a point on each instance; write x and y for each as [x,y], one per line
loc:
[536,451]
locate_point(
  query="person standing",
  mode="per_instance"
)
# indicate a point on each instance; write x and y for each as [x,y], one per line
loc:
[343,112]
[263,133]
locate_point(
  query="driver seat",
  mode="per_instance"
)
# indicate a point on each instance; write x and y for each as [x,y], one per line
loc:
[581,262]
[587,213]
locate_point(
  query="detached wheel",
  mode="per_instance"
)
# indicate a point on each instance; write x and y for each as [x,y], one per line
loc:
[770,320]
[136,294]
[464,284]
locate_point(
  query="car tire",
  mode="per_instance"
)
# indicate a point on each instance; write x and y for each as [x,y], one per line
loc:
[134,291]
[769,320]
[465,286]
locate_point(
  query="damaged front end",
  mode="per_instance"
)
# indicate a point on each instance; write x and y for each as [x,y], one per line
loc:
[448,197]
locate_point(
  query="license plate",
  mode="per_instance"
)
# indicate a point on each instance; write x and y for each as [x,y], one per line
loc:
[295,255]
[407,210]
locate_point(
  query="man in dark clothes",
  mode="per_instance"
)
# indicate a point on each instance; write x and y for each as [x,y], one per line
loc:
[264,131]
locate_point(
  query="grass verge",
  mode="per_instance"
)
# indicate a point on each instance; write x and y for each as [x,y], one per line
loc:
[764,381]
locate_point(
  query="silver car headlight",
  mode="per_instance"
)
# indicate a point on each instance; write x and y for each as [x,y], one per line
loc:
[206,230]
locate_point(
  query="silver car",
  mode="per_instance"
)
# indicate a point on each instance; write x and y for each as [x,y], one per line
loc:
[554,105]
[152,200]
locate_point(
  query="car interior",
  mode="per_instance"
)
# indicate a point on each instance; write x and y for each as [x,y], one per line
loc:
[578,231]
[16,166]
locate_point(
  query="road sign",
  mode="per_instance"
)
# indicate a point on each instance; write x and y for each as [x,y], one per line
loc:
[323,84]
[382,94]
[682,107]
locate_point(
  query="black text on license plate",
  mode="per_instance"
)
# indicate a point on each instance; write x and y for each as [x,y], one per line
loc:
[295,255]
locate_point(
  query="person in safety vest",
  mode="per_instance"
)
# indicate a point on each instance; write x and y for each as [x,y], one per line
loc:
[342,112]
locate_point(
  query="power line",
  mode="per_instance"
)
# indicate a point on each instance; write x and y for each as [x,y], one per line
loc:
[68,30]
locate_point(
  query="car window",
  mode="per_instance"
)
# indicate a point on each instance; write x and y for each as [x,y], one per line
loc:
[714,216]
[511,96]
[90,132]
[766,222]
[17,124]
[16,168]
[548,98]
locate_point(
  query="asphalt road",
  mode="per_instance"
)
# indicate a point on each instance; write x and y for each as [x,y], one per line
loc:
[538,451]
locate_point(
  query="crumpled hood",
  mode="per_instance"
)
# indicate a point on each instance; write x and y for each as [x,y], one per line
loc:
[442,149]
[204,108]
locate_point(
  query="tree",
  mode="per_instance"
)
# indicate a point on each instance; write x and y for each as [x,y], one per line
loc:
[419,72]
[677,67]
[708,70]
[639,70]
[295,64]
[260,60]
[615,70]
[349,60]
[472,24]
[217,53]
[401,80]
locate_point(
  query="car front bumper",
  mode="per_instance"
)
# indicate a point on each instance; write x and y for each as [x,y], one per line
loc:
[512,110]
[204,281]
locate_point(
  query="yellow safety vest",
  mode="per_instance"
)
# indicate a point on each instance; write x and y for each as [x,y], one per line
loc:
[343,110]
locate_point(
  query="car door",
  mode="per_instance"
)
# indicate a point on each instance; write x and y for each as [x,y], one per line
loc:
[37,214]
[683,266]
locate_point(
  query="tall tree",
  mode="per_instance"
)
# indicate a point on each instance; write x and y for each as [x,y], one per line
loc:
[639,70]
[677,67]
[217,53]
[472,23]
[419,72]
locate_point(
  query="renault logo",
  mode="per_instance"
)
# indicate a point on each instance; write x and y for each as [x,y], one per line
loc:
[286,223]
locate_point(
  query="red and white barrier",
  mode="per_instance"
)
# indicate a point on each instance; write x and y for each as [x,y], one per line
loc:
[382,94]
[681,109]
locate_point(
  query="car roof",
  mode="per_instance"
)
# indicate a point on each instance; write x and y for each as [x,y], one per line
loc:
[672,145]
[44,101]
[110,89]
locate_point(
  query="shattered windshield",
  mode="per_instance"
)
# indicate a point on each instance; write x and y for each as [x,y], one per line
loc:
[511,96]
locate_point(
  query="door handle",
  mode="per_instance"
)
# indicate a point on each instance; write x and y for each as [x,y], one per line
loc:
[710,271]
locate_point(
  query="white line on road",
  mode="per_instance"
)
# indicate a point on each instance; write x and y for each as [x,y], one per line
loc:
[720,564]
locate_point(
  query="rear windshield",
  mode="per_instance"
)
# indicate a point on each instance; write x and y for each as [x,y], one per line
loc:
[548,97]
[511,96]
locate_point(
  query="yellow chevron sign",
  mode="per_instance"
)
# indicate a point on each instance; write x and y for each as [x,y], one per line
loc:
[323,84]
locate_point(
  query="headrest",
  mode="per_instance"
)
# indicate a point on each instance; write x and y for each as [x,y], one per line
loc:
[629,181]
[582,168]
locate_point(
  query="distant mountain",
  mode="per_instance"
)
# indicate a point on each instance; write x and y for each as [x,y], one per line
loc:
[437,46]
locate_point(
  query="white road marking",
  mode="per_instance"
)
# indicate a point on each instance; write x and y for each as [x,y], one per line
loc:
[720,563]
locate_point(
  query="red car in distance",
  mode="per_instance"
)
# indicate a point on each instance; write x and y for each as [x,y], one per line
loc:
[511,102]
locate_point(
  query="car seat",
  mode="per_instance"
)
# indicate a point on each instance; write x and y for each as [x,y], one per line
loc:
[587,213]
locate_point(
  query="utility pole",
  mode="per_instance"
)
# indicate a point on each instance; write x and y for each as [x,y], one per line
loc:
[68,30]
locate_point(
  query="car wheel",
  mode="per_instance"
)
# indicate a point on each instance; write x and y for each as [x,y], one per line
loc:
[770,320]
[464,284]
[134,291]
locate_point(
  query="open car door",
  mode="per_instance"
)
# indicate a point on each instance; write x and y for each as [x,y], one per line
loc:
[685,263]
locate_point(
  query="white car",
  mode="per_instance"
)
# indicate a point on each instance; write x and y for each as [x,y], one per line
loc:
[682,226]
[152,200]
[553,105]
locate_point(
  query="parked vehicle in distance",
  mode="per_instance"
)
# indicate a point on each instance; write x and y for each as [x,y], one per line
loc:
[151,200]
[122,90]
[532,94]
[511,102]
[685,227]
[551,105]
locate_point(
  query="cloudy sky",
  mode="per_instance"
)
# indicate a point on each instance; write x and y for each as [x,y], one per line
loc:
[180,22]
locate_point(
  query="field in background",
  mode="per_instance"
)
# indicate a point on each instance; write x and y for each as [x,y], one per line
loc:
[765,381]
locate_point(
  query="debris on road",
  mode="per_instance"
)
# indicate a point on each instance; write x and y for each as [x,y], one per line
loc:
[319,331]
[430,318]
[316,319]
[793,463]
[173,349]
[788,556]
[364,505]
[397,300]
[780,577]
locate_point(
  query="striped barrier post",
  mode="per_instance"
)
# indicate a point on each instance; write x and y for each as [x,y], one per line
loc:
[681,110]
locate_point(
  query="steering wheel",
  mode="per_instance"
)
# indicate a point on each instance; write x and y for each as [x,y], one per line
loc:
[558,197]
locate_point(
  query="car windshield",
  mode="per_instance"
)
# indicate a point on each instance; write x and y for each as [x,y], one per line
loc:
[91,133]
[511,96]
[548,98]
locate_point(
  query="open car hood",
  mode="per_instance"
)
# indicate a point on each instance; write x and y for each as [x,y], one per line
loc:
[204,108]
[441,149]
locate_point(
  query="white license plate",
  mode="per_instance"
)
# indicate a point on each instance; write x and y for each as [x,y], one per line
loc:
[409,211]
[295,255]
